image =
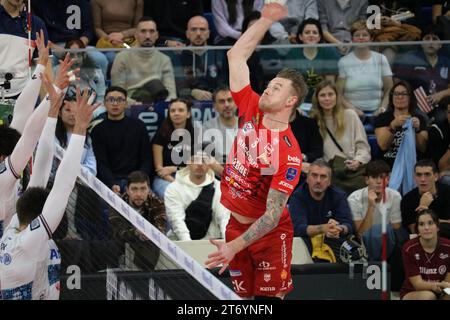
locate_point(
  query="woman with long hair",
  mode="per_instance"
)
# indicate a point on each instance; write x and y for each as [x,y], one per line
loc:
[389,125]
[78,221]
[315,64]
[342,132]
[172,147]
[426,261]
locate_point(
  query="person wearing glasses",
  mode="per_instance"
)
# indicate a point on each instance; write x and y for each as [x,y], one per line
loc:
[389,125]
[429,194]
[121,144]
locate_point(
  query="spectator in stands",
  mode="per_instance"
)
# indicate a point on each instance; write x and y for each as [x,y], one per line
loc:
[228,18]
[429,69]
[121,144]
[90,76]
[365,76]
[168,151]
[315,64]
[139,196]
[368,206]
[146,75]
[441,17]
[202,70]
[308,136]
[222,129]
[172,16]
[343,136]
[393,7]
[61,19]
[337,16]
[438,146]
[389,128]
[440,8]
[13,44]
[318,208]
[115,23]
[298,11]
[193,202]
[426,261]
[429,194]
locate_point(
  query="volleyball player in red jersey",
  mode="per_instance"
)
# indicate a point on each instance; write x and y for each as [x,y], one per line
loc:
[262,170]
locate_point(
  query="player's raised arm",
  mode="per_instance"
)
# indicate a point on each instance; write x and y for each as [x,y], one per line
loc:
[246,44]
[70,165]
[46,147]
[26,101]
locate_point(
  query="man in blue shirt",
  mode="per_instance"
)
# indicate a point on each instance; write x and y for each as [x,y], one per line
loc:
[14,43]
[61,18]
[317,207]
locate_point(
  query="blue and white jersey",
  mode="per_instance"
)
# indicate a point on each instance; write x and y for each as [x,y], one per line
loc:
[24,259]
[9,193]
[54,270]
[14,47]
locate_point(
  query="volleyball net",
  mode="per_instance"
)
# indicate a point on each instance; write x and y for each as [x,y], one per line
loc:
[110,251]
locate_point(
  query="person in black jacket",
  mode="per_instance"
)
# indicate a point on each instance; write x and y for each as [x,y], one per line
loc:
[121,144]
[309,139]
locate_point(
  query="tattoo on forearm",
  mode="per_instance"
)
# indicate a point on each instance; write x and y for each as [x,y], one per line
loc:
[276,202]
[320,229]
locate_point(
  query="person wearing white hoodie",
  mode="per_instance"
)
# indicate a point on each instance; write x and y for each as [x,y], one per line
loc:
[187,187]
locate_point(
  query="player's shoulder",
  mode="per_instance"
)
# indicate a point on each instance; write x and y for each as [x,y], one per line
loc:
[444,242]
[411,245]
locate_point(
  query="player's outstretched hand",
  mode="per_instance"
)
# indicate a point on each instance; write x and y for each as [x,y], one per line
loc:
[64,75]
[42,48]
[223,255]
[83,111]
[274,11]
[56,99]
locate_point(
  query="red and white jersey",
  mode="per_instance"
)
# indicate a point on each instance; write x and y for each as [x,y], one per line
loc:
[430,266]
[259,160]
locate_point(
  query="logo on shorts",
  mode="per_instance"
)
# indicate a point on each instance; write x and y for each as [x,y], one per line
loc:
[266,289]
[34,77]
[267,277]
[265,266]
[283,236]
[291,174]
[284,275]
[238,286]
[442,270]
